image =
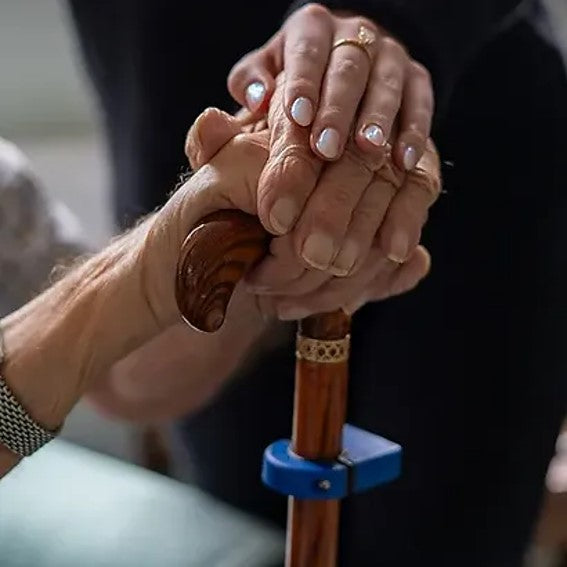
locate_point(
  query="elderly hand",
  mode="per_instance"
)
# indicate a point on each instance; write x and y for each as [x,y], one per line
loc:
[287,288]
[295,291]
[120,302]
[228,165]
[323,88]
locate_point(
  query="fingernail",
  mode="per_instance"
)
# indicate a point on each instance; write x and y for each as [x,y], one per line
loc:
[345,259]
[255,93]
[292,313]
[374,134]
[399,247]
[282,215]
[302,111]
[328,143]
[410,158]
[318,250]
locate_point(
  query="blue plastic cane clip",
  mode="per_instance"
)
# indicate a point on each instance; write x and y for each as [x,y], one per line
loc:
[367,460]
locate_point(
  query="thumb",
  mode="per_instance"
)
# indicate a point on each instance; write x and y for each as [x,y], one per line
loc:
[251,81]
[209,133]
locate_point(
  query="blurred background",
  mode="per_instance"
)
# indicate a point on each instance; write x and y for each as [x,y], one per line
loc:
[47,110]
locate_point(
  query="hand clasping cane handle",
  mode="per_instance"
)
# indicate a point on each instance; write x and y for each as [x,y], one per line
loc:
[214,257]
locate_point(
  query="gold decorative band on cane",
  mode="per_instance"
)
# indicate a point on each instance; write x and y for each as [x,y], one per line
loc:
[328,352]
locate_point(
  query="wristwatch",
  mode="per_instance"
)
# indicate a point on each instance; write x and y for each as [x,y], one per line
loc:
[18,431]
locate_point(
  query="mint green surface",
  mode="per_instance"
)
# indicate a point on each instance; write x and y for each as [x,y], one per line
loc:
[70,507]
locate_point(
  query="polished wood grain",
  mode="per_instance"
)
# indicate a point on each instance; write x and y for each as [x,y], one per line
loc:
[318,418]
[215,256]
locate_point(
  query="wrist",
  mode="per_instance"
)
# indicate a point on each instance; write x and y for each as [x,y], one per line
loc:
[56,344]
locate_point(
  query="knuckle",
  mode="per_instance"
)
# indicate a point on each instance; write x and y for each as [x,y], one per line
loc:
[331,216]
[296,162]
[388,105]
[341,197]
[375,203]
[419,70]
[365,216]
[417,125]
[325,221]
[422,112]
[393,47]
[391,80]
[314,10]
[363,162]
[302,86]
[347,69]
[308,49]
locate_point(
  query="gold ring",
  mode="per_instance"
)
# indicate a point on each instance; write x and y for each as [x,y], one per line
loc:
[365,38]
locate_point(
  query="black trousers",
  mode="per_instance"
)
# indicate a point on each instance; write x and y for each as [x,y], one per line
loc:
[469,372]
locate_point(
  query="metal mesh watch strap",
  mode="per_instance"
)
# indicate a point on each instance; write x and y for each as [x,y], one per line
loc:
[18,431]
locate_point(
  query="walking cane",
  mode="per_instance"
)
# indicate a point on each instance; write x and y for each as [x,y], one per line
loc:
[326,460]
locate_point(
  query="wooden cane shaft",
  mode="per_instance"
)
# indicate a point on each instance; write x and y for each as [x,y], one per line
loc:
[318,419]
[312,532]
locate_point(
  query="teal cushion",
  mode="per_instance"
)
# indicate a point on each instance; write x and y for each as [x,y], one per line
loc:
[70,507]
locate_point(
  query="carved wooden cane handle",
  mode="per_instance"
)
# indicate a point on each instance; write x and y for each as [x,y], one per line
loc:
[214,258]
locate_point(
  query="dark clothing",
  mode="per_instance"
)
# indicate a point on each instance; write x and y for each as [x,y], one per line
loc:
[467,372]
[444,35]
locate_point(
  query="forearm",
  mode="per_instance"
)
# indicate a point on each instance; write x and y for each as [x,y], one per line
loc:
[58,344]
[182,369]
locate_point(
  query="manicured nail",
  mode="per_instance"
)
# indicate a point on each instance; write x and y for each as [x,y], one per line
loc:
[282,215]
[255,94]
[410,158]
[292,313]
[318,250]
[374,134]
[302,111]
[399,247]
[328,143]
[345,259]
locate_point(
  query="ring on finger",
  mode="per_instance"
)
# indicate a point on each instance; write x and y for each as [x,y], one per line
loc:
[364,40]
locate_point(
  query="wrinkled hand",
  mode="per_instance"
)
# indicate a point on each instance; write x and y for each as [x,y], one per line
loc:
[228,166]
[287,287]
[381,95]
